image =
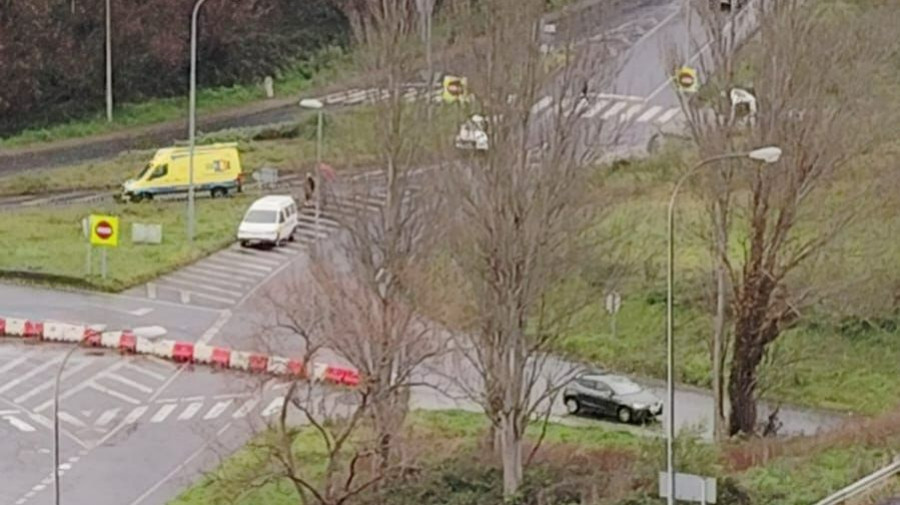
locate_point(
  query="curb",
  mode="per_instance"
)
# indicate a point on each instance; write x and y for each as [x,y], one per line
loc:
[180,352]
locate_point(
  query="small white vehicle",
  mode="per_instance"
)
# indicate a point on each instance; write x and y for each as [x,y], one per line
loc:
[473,134]
[271,220]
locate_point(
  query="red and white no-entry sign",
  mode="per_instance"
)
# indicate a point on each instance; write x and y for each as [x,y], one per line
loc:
[104,230]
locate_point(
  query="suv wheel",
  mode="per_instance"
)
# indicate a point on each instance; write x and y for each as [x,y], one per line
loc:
[624,415]
[572,406]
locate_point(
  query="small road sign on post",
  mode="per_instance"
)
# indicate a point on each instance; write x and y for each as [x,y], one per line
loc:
[613,304]
[104,232]
[688,487]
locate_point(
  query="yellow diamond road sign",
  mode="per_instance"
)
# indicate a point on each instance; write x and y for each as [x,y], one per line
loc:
[104,230]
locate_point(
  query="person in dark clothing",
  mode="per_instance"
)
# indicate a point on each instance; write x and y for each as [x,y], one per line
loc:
[310,187]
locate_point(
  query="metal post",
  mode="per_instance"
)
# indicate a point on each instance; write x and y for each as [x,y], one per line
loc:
[318,189]
[88,262]
[192,121]
[109,88]
[56,423]
[670,347]
[429,8]
[103,263]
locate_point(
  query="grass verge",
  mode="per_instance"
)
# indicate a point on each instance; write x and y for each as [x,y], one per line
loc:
[330,65]
[574,465]
[47,245]
[350,141]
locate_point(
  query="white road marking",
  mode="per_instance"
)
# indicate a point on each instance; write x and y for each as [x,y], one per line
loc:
[106,417]
[190,411]
[648,115]
[632,111]
[217,410]
[128,382]
[618,106]
[258,257]
[187,295]
[148,373]
[541,104]
[612,96]
[19,424]
[201,280]
[143,311]
[207,279]
[273,407]
[43,421]
[238,263]
[225,267]
[31,373]
[151,290]
[135,414]
[669,114]
[163,413]
[595,109]
[161,362]
[195,286]
[180,468]
[113,393]
[8,412]
[71,370]
[245,409]
[213,330]
[69,418]
[184,296]
[14,363]
[234,276]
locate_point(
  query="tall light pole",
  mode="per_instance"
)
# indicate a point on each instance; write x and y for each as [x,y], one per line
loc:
[426,10]
[192,119]
[317,105]
[145,332]
[109,85]
[769,154]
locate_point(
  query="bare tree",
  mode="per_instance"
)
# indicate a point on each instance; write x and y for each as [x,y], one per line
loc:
[515,214]
[811,72]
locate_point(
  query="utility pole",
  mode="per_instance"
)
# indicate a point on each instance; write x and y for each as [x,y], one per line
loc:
[109,82]
[192,119]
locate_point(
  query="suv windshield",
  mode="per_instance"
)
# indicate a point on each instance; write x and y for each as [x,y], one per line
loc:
[624,387]
[261,216]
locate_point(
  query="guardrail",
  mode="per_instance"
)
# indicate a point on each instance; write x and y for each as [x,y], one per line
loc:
[862,485]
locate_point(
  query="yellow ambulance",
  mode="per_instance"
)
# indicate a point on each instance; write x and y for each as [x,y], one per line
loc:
[217,171]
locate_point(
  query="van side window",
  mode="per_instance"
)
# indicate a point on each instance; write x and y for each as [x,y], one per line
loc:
[281,217]
[160,171]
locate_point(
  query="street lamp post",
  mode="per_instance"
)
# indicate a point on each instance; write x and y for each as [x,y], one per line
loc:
[317,105]
[109,89]
[765,154]
[192,119]
[56,423]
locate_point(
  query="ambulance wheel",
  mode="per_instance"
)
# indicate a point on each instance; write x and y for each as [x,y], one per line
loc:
[218,192]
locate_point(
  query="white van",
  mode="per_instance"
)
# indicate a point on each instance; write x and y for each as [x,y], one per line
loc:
[270,220]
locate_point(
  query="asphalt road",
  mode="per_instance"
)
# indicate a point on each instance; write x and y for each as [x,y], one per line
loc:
[137,430]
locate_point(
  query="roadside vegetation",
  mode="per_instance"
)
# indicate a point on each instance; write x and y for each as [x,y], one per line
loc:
[445,463]
[349,144]
[47,245]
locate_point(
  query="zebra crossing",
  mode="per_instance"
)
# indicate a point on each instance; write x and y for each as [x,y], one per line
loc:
[28,380]
[622,109]
[227,277]
[357,96]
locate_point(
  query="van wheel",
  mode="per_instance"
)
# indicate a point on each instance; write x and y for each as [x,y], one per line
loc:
[218,192]
[293,232]
[245,243]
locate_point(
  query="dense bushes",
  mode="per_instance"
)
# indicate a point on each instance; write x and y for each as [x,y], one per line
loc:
[52,60]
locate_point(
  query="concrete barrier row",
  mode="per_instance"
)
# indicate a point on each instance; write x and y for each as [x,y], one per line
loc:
[125,341]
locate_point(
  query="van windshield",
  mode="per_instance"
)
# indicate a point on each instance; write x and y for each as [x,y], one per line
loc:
[261,216]
[144,171]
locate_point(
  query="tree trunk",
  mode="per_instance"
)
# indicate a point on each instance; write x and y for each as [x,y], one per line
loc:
[511,455]
[743,380]
[718,344]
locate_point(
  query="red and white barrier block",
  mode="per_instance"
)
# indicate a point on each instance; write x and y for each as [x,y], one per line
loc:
[127,342]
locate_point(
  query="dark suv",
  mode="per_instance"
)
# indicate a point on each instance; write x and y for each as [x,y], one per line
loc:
[611,395]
